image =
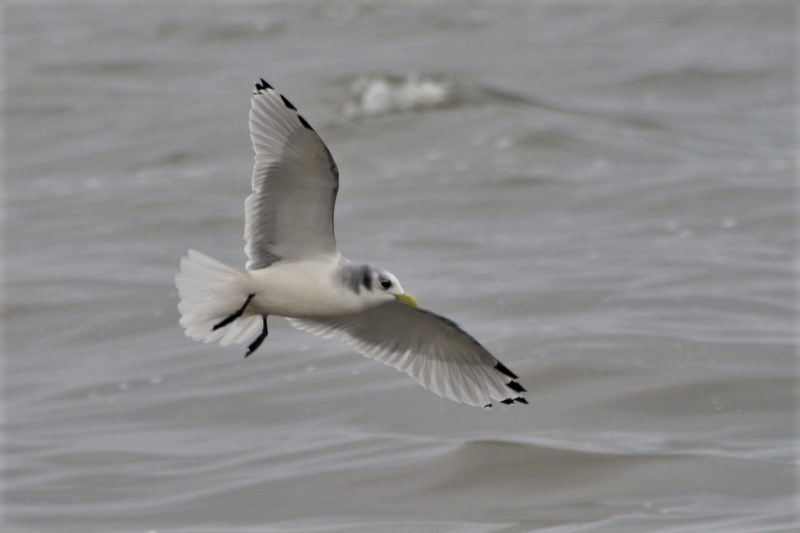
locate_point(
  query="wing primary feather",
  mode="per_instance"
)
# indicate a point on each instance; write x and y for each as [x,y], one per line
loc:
[502,368]
[305,123]
[263,85]
[287,103]
[516,387]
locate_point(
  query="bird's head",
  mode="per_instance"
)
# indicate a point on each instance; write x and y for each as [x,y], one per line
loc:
[382,285]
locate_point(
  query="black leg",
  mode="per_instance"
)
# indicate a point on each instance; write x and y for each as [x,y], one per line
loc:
[263,335]
[235,315]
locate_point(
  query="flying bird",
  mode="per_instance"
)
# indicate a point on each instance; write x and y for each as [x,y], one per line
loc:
[295,270]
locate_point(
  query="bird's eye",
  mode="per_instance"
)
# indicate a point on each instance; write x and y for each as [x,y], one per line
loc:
[385,283]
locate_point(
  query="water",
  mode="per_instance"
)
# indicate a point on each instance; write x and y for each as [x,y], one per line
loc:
[602,194]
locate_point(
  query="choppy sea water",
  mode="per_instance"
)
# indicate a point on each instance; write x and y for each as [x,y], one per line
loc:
[602,193]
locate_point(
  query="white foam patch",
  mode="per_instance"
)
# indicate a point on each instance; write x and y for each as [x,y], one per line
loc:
[380,95]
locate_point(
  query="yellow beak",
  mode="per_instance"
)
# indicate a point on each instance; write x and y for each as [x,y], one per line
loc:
[406,299]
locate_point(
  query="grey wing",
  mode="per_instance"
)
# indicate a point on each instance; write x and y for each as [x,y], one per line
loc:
[433,350]
[289,214]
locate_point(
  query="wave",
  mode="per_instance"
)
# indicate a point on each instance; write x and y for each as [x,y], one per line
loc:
[374,95]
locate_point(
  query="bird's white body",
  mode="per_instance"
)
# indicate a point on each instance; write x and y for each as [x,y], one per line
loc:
[210,289]
[294,270]
[303,289]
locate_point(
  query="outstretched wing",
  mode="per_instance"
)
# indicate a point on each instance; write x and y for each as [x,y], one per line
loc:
[289,214]
[433,350]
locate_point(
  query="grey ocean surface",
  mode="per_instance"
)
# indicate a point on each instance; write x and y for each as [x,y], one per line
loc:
[603,193]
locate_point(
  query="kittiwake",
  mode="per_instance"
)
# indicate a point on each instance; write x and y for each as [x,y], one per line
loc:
[295,270]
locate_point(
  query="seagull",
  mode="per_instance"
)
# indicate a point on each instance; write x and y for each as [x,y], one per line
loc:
[294,270]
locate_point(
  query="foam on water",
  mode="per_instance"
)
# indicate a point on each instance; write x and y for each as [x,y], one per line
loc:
[381,95]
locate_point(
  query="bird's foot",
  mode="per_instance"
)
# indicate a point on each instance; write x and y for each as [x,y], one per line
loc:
[235,315]
[261,336]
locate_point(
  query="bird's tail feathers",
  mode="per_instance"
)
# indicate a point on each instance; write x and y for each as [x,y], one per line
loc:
[209,292]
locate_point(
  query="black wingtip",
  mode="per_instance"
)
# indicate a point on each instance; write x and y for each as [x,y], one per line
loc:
[288,104]
[516,387]
[305,123]
[504,370]
[509,401]
[518,399]
[262,85]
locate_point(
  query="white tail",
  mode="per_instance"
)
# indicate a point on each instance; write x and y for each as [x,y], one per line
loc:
[209,292]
